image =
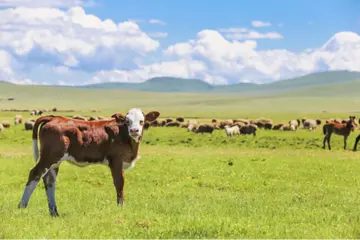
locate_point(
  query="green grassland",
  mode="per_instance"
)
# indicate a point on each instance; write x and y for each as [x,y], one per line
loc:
[273,185]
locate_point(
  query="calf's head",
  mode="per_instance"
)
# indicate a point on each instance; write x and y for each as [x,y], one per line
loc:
[135,120]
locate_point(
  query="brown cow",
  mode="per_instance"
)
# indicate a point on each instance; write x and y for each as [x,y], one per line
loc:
[113,142]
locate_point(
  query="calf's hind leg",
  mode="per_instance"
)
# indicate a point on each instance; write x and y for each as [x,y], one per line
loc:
[39,171]
[50,181]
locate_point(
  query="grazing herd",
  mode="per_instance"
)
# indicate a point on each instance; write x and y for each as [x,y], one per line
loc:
[115,142]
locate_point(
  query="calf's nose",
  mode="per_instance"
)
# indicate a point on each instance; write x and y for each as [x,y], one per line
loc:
[134,130]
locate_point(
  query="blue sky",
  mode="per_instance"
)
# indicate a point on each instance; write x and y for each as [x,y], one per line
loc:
[304,24]
[220,42]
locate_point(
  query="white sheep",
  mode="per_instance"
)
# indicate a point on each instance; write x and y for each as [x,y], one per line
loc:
[231,131]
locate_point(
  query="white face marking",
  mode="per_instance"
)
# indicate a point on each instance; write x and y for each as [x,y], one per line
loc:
[134,120]
[127,166]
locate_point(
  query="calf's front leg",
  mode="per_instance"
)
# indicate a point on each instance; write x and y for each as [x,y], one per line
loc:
[118,175]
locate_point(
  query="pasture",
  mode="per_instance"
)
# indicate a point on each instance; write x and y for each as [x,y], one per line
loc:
[186,185]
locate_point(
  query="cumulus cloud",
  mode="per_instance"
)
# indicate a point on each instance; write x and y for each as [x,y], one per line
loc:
[257,23]
[158,34]
[46,45]
[156,21]
[244,33]
[46,3]
[72,38]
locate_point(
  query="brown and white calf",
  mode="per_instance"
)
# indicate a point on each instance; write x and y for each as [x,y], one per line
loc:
[113,142]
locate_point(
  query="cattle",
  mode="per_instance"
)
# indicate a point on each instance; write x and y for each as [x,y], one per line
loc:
[231,131]
[184,125]
[180,119]
[244,121]
[248,129]
[168,120]
[114,143]
[204,128]
[1,127]
[102,118]
[163,123]
[29,124]
[54,109]
[214,121]
[18,119]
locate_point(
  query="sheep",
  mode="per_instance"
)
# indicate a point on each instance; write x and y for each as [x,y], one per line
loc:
[310,124]
[146,125]
[277,126]
[29,124]
[6,124]
[231,131]
[18,119]
[193,124]
[249,129]
[204,128]
[79,117]
[294,124]
[245,121]
[172,124]
[286,127]
[180,119]
[154,123]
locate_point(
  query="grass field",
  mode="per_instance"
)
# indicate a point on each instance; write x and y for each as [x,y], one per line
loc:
[274,185]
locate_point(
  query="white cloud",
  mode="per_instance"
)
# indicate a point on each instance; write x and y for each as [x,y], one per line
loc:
[244,33]
[257,23]
[158,34]
[46,3]
[255,35]
[74,47]
[157,21]
[72,38]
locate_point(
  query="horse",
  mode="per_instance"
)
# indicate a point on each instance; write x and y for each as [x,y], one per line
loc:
[342,129]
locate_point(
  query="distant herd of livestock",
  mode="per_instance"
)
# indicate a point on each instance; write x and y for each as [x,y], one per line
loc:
[231,126]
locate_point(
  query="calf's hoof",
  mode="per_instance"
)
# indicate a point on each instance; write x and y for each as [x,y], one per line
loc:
[22,205]
[53,212]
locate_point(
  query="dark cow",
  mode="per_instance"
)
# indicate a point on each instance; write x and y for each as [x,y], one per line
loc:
[113,142]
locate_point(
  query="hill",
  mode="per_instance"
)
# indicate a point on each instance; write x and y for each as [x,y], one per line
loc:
[170,84]
[159,84]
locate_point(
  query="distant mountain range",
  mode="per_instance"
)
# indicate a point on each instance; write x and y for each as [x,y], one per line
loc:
[330,82]
[170,84]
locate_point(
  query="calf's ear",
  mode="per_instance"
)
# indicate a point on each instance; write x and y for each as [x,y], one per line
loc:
[152,116]
[119,117]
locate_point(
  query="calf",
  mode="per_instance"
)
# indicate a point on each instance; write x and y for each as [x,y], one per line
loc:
[113,142]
